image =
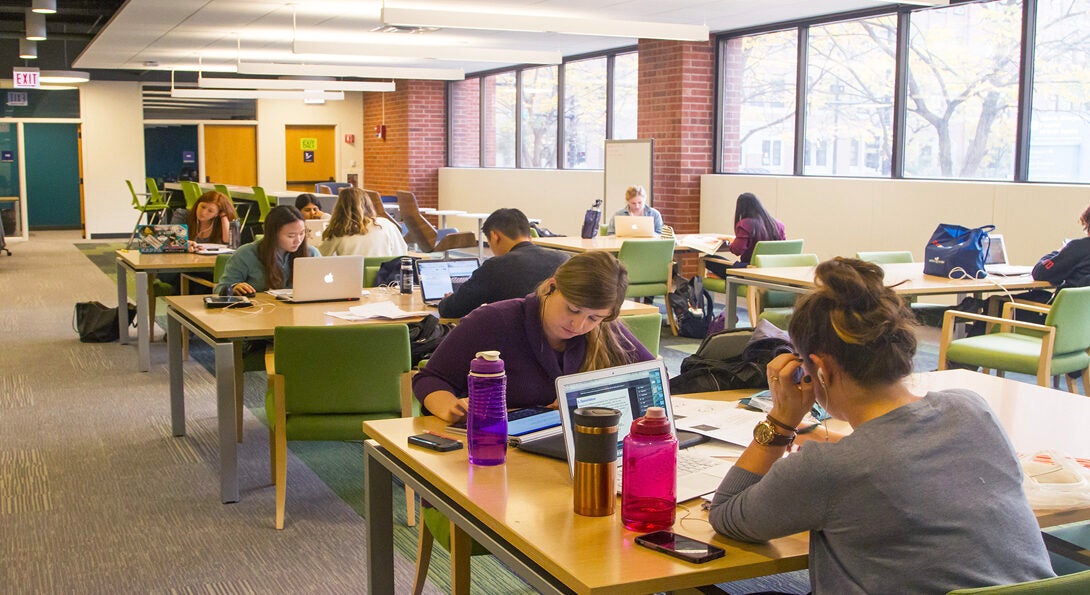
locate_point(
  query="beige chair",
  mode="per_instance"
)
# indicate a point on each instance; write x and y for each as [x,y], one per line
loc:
[380,209]
[423,234]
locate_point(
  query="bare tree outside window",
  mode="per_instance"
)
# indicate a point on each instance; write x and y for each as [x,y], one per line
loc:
[499,120]
[584,113]
[759,103]
[539,107]
[626,70]
[1060,131]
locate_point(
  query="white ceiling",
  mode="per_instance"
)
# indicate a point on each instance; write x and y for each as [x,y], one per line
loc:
[176,34]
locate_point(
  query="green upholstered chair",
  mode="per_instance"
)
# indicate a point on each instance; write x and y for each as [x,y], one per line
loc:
[151,210]
[1059,346]
[777,306]
[324,381]
[717,285]
[435,527]
[903,257]
[191,191]
[650,265]
[371,266]
[647,328]
[1069,584]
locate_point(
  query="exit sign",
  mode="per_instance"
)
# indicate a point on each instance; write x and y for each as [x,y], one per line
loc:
[25,78]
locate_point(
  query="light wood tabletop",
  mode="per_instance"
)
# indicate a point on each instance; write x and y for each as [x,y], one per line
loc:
[613,243]
[171,262]
[526,504]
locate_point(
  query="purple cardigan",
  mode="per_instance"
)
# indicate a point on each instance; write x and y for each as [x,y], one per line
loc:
[745,241]
[512,327]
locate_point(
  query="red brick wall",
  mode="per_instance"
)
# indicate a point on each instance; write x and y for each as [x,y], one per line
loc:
[676,96]
[415,145]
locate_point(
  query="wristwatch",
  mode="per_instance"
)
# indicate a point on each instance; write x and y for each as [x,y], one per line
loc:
[765,433]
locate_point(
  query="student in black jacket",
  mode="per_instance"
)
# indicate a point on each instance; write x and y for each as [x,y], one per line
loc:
[516,269]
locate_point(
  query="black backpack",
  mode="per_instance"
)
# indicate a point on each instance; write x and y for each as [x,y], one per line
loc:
[425,336]
[692,306]
[730,359]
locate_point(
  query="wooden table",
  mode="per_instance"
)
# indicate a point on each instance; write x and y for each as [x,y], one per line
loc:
[522,511]
[611,243]
[226,329]
[144,268]
[908,278]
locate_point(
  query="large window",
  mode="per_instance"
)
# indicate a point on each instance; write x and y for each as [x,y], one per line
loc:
[849,97]
[626,74]
[1060,142]
[584,113]
[759,103]
[465,109]
[499,120]
[539,117]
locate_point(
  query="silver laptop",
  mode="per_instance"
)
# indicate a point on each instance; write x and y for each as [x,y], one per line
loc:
[632,389]
[440,277]
[324,279]
[995,260]
[315,227]
[627,226]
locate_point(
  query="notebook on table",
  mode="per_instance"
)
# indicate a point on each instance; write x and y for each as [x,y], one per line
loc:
[162,238]
[995,260]
[440,277]
[627,226]
[324,279]
[631,389]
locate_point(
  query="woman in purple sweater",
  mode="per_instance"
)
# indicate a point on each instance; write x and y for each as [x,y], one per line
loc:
[752,224]
[568,325]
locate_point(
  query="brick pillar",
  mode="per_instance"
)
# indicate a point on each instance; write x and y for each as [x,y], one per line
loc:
[416,140]
[676,108]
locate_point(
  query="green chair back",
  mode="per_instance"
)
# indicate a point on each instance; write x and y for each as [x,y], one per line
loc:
[371,266]
[782,299]
[135,199]
[1069,584]
[1069,314]
[191,191]
[218,268]
[336,377]
[891,257]
[222,189]
[263,204]
[648,263]
[647,328]
[777,247]
[156,197]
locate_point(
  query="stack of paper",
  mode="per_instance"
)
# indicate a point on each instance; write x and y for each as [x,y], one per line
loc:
[385,309]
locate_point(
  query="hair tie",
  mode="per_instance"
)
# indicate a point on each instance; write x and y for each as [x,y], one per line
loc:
[843,336]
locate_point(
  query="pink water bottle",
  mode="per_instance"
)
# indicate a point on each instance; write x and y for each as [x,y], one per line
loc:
[486,427]
[649,474]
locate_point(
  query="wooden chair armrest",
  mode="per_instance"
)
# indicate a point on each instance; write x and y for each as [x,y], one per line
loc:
[270,361]
[1006,322]
[186,278]
[1010,306]
[407,393]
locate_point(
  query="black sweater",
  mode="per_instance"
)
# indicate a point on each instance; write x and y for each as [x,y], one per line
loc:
[512,275]
[1067,267]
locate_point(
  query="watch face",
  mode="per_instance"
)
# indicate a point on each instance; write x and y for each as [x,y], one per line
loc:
[764,433]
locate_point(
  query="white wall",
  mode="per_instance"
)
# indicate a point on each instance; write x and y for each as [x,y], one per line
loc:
[274,115]
[113,151]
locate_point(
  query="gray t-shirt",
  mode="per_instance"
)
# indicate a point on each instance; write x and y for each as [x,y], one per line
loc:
[925,499]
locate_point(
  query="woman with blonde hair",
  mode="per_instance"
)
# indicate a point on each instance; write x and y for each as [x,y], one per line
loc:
[568,325]
[355,229]
[635,199]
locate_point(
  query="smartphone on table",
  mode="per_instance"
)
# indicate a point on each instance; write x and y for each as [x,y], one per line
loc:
[679,546]
[435,442]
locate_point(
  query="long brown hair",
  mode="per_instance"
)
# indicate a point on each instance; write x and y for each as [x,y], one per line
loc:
[266,251]
[595,280]
[854,318]
[352,215]
[226,209]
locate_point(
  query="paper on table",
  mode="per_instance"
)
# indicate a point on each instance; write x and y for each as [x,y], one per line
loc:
[721,420]
[213,249]
[704,243]
[387,310]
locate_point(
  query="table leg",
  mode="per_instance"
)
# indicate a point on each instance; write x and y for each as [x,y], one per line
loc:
[732,305]
[143,321]
[228,358]
[177,381]
[480,240]
[380,524]
[122,303]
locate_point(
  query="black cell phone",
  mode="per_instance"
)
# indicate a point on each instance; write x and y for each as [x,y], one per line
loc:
[439,443]
[224,301]
[679,546]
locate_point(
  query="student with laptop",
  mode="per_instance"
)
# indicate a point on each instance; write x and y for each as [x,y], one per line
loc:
[516,269]
[924,496]
[568,325]
[267,263]
[209,220]
[356,230]
[752,224]
[635,198]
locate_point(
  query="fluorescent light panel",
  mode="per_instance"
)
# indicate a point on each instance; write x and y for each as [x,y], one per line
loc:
[291,84]
[251,94]
[376,72]
[432,52]
[64,77]
[449,19]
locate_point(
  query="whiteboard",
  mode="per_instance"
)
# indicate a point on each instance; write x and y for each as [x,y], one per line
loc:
[628,163]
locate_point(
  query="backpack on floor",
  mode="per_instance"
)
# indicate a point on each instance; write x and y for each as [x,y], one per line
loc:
[692,306]
[730,359]
[425,336]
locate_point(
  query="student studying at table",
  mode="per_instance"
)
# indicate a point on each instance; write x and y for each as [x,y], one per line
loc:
[635,198]
[752,224]
[309,206]
[267,263]
[924,496]
[568,325]
[355,229]
[209,221]
[516,269]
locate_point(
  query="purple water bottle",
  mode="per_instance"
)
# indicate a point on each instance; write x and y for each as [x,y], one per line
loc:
[649,474]
[487,423]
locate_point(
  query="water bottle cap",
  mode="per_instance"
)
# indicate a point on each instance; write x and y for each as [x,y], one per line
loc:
[487,362]
[654,422]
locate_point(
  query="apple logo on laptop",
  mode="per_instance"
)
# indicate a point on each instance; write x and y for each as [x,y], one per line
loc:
[328,278]
[635,226]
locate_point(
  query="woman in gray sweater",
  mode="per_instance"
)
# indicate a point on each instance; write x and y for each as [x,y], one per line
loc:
[924,496]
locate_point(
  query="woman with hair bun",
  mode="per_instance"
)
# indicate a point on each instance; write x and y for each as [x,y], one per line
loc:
[924,496]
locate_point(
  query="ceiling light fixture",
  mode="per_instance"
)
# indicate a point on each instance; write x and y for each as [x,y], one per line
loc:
[64,77]
[583,25]
[431,52]
[28,50]
[923,2]
[35,26]
[294,84]
[377,72]
[44,6]
[251,94]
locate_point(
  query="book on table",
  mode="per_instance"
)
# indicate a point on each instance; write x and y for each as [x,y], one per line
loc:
[529,423]
[708,244]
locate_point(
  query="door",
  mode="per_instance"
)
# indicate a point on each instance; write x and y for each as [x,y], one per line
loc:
[230,155]
[52,176]
[310,156]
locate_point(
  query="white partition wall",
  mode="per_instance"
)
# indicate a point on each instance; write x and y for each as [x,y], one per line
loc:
[113,151]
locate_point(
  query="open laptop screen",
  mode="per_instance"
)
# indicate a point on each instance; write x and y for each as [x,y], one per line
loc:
[440,277]
[997,251]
